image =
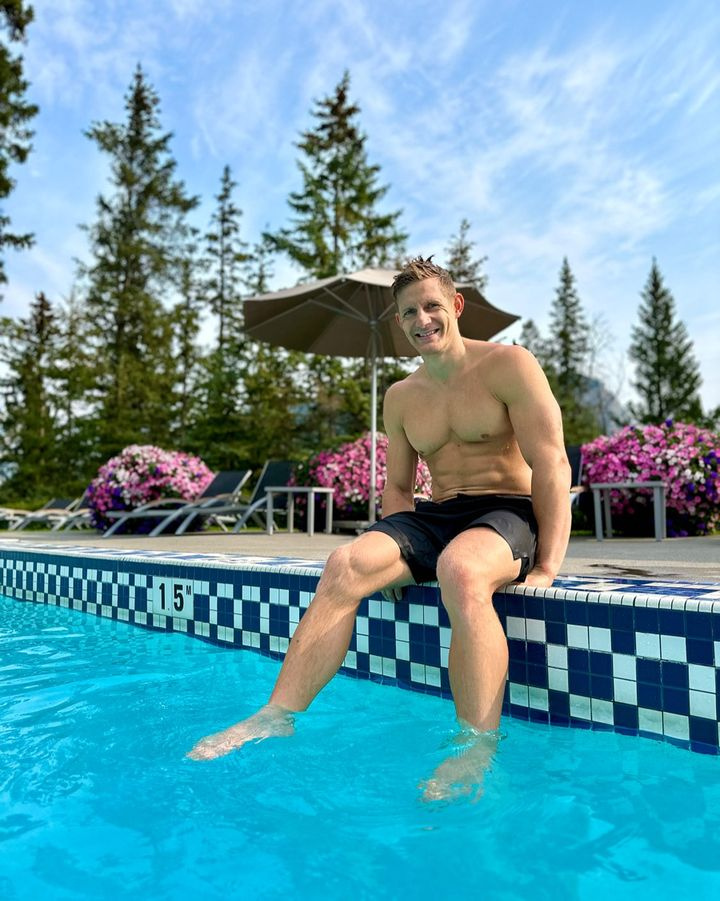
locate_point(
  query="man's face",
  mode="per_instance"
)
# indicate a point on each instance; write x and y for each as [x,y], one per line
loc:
[428,316]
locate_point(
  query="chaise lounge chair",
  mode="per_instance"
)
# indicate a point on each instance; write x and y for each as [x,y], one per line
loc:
[172,512]
[56,516]
[16,518]
[274,472]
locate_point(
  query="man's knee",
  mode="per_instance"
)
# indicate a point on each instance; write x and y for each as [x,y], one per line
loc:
[468,574]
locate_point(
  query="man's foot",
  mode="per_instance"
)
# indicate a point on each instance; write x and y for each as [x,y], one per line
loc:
[268,722]
[462,774]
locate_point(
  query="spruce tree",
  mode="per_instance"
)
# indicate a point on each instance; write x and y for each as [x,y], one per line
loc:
[15,114]
[460,263]
[138,245]
[227,256]
[667,374]
[28,420]
[568,352]
[336,225]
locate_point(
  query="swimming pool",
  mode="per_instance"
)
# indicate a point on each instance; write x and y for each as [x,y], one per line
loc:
[639,656]
[99,801]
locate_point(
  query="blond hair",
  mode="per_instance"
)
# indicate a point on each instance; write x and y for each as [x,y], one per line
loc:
[417,270]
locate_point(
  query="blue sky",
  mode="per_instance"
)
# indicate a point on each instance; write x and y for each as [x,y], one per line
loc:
[582,129]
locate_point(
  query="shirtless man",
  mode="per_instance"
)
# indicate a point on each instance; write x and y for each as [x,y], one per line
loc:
[484,419]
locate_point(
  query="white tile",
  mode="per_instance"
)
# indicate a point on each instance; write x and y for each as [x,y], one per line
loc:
[417,673]
[388,667]
[432,676]
[415,613]
[536,630]
[445,636]
[374,609]
[361,643]
[538,698]
[702,703]
[580,707]
[515,627]
[387,609]
[716,645]
[430,615]
[673,647]
[701,678]
[350,660]
[647,644]
[625,691]
[676,726]
[402,650]
[599,639]
[361,625]
[557,656]
[624,666]
[557,679]
[650,720]
[519,694]
[444,656]
[402,631]
[602,711]
[376,664]
[577,636]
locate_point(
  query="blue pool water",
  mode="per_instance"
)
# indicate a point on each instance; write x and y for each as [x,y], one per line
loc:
[97,798]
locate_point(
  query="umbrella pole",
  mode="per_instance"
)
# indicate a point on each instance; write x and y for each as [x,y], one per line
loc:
[372,515]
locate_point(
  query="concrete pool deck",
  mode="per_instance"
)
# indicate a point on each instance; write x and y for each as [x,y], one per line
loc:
[674,558]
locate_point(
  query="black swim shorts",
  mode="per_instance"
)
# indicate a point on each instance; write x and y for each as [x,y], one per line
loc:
[422,534]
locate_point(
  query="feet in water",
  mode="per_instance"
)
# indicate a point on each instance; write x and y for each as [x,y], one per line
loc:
[463,772]
[268,722]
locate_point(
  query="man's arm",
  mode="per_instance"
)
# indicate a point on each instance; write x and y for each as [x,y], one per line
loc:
[399,493]
[537,423]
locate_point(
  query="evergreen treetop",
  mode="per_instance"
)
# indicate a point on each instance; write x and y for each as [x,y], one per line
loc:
[336,225]
[460,263]
[667,374]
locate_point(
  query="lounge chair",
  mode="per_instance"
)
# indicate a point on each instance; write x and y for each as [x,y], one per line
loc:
[16,518]
[77,518]
[172,512]
[274,472]
[574,455]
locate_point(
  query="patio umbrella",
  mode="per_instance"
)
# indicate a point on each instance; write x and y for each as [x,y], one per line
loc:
[353,315]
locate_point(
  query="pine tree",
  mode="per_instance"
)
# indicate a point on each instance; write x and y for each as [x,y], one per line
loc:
[28,423]
[531,339]
[227,256]
[15,114]
[568,350]
[138,243]
[667,374]
[464,269]
[337,226]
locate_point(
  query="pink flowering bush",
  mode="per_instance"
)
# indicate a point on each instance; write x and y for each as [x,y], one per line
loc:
[142,473]
[347,471]
[685,457]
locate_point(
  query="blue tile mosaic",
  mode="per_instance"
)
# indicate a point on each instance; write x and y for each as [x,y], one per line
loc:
[638,656]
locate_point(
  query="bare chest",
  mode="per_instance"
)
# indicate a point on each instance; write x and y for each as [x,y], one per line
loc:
[434,420]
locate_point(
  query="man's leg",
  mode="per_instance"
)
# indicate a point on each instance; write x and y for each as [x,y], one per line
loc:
[470,569]
[318,647]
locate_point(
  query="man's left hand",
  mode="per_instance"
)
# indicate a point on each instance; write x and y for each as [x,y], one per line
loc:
[538,578]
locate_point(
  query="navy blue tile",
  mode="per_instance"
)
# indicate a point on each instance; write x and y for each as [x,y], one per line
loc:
[601,663]
[578,660]
[555,610]
[716,627]
[646,619]
[625,715]
[622,642]
[648,671]
[649,695]
[576,612]
[703,730]
[672,622]
[520,713]
[538,716]
[699,625]
[517,649]
[225,617]
[537,675]
[599,615]
[579,683]
[676,700]
[699,651]
[517,671]
[674,675]
[537,653]
[559,702]
[601,687]
[534,606]
[556,633]
[402,670]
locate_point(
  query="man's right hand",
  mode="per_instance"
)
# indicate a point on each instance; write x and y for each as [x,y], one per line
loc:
[393,594]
